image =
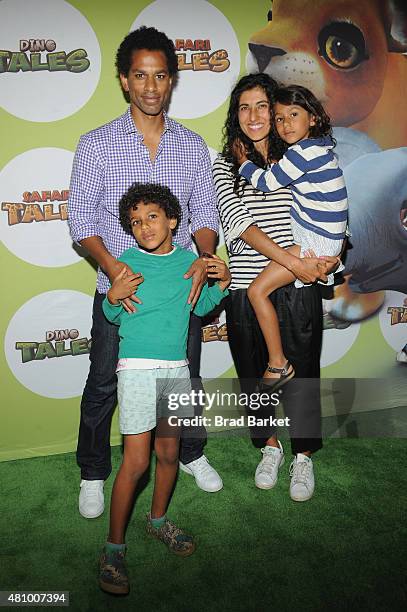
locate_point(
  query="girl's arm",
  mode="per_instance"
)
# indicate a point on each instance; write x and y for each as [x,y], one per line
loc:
[291,167]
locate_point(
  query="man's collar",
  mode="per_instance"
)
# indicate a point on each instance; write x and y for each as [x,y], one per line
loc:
[129,126]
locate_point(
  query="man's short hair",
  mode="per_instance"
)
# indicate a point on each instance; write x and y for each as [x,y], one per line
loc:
[148,193]
[145,38]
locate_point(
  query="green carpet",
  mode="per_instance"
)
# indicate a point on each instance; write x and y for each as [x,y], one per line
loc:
[257,550]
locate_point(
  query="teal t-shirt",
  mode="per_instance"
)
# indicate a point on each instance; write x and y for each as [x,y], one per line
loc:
[159,328]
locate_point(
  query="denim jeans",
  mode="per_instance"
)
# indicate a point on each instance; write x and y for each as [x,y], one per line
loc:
[99,397]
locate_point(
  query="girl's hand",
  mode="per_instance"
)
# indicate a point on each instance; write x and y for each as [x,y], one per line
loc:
[218,269]
[309,253]
[239,151]
[124,286]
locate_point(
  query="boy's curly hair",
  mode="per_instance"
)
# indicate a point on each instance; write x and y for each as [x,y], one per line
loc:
[145,38]
[148,193]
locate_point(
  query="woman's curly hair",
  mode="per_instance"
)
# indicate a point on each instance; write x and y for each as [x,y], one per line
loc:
[232,130]
[148,193]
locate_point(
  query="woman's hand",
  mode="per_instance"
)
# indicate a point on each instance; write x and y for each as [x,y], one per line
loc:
[332,263]
[309,269]
[124,287]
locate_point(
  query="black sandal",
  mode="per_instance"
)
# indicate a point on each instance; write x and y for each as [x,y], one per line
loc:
[273,384]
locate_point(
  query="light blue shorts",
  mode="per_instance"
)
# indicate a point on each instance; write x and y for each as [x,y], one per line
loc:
[321,245]
[143,397]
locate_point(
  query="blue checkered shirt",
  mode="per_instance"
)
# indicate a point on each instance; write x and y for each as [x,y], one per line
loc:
[110,158]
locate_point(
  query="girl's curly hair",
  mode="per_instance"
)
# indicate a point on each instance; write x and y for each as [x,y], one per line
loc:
[301,96]
[232,130]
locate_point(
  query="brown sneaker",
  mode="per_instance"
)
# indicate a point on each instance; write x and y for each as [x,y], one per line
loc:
[174,538]
[113,576]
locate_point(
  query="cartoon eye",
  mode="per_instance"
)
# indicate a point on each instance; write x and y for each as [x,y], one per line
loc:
[342,45]
[270,13]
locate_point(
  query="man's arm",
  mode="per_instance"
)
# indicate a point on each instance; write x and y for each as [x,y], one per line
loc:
[204,221]
[85,195]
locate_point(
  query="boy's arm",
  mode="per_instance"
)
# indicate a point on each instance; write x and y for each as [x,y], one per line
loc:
[112,312]
[281,174]
[123,285]
[212,296]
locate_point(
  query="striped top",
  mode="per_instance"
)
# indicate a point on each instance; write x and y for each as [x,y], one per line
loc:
[269,211]
[311,170]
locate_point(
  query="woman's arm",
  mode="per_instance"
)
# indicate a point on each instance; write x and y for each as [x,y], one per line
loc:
[239,226]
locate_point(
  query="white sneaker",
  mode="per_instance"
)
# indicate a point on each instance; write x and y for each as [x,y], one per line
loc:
[267,471]
[206,477]
[91,498]
[302,478]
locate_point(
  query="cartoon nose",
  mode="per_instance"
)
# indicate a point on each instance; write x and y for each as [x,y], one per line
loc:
[264,53]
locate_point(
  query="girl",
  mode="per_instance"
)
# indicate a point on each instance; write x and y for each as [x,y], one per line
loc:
[318,212]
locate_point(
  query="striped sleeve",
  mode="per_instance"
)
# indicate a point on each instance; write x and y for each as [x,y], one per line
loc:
[289,169]
[233,213]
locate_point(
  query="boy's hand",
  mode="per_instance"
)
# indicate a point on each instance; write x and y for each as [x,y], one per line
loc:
[124,286]
[239,151]
[218,269]
[113,268]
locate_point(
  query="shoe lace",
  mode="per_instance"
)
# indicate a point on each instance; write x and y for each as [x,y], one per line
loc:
[204,467]
[268,462]
[92,488]
[175,532]
[299,471]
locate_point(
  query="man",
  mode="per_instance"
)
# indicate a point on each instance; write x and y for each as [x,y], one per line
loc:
[142,145]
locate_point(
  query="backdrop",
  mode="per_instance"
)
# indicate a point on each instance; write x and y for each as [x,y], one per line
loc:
[57,81]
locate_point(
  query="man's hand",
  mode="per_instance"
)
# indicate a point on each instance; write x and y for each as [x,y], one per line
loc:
[124,286]
[239,151]
[218,269]
[198,271]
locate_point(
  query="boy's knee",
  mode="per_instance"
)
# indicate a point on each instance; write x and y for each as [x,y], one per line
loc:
[168,454]
[135,469]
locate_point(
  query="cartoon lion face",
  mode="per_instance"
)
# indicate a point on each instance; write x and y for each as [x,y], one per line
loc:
[339,49]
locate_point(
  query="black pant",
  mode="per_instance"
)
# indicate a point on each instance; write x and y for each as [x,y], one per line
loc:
[99,397]
[300,315]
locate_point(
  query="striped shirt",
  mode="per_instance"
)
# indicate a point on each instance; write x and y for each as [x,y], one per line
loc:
[269,211]
[112,157]
[311,169]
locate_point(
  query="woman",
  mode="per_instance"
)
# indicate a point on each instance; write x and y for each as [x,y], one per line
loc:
[257,229]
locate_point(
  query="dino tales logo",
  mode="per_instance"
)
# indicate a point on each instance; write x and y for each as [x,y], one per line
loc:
[58,343]
[38,54]
[43,205]
[198,55]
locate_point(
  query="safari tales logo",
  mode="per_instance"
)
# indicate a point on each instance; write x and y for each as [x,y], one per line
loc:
[42,205]
[198,55]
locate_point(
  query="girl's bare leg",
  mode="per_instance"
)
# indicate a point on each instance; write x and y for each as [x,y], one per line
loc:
[167,450]
[136,459]
[273,277]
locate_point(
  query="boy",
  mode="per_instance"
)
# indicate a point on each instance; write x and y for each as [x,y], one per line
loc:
[152,364]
